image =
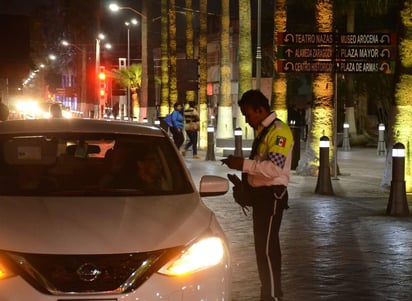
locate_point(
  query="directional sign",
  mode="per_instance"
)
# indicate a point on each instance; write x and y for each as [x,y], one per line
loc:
[358,53]
[293,52]
[305,66]
[325,52]
[311,66]
[366,39]
[329,52]
[319,38]
[329,38]
[365,67]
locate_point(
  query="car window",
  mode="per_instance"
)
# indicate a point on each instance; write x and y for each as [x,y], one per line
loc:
[90,164]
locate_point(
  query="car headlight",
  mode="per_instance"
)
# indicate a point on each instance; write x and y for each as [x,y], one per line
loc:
[201,255]
[5,271]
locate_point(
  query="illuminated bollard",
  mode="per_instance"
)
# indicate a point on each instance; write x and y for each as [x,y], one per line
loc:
[398,204]
[346,143]
[210,154]
[157,122]
[324,184]
[381,150]
[238,142]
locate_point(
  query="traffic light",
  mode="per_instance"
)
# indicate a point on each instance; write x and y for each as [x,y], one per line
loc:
[102,85]
[102,74]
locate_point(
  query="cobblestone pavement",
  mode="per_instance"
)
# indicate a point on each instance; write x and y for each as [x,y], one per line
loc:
[340,247]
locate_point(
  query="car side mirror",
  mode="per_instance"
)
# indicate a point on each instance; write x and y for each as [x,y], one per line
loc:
[213,186]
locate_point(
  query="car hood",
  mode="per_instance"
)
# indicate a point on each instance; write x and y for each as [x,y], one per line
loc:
[100,225]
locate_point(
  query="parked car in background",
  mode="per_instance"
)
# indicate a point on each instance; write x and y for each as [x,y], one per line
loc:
[105,210]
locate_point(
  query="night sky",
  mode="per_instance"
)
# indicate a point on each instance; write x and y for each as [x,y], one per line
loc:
[20,7]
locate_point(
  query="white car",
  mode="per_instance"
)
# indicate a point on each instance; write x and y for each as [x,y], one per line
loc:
[105,210]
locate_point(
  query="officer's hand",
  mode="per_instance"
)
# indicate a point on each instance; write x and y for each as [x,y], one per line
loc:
[234,162]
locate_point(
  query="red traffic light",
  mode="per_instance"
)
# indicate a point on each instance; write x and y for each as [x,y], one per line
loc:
[102,73]
[102,76]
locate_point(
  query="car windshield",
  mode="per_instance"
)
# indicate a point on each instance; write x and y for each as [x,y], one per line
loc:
[90,164]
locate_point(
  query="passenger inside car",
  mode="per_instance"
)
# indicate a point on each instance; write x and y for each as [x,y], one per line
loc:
[134,167]
[121,173]
[149,173]
[28,179]
[33,177]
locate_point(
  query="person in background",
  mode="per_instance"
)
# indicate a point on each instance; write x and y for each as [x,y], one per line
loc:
[177,125]
[4,111]
[268,172]
[191,127]
[56,111]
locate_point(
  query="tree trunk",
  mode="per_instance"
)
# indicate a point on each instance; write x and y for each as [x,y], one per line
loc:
[402,129]
[279,85]
[172,53]
[152,101]
[164,49]
[203,111]
[225,122]
[245,63]
[323,106]
[190,94]
[144,90]
[135,104]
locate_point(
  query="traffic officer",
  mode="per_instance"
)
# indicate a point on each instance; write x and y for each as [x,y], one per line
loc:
[268,171]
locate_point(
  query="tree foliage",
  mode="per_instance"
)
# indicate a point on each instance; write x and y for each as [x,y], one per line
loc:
[129,77]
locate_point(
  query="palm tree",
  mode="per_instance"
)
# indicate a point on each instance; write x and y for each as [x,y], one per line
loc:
[225,124]
[402,130]
[131,77]
[190,94]
[172,53]
[279,85]
[145,60]
[164,59]
[322,108]
[203,73]
[245,61]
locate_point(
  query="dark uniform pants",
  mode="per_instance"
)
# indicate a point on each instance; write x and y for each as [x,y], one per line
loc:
[267,216]
[178,136]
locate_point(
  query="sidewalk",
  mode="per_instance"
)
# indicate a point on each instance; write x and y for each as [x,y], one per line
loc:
[340,247]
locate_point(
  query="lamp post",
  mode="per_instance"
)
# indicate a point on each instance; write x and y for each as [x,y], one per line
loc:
[83,80]
[114,7]
[97,102]
[258,47]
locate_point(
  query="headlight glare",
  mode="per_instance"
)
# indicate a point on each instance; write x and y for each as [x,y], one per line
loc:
[5,271]
[201,255]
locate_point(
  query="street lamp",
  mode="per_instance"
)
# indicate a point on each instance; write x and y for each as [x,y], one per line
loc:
[114,7]
[83,86]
